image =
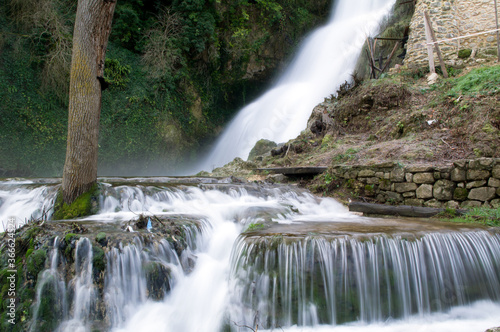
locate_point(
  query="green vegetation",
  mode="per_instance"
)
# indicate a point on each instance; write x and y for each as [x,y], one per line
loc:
[82,206]
[483,216]
[177,72]
[484,80]
[255,226]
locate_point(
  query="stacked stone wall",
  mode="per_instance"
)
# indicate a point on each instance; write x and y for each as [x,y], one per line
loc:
[451,19]
[464,184]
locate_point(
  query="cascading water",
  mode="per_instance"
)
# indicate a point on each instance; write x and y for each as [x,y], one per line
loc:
[315,280]
[316,267]
[325,60]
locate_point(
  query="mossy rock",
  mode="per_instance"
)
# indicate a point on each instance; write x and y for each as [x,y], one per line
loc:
[261,148]
[84,205]
[98,260]
[157,279]
[36,262]
[460,194]
[465,53]
[101,239]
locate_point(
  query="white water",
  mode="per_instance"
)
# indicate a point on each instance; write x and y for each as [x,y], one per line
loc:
[23,200]
[325,60]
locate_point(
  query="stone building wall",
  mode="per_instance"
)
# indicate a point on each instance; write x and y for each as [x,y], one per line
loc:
[464,184]
[450,19]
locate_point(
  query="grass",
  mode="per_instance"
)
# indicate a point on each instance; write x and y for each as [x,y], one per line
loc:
[255,226]
[482,216]
[485,80]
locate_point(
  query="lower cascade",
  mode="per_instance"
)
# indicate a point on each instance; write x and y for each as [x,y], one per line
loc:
[214,255]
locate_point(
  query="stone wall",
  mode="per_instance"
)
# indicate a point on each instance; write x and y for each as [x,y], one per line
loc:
[464,184]
[450,19]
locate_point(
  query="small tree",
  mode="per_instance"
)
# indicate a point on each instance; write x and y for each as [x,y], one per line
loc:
[90,39]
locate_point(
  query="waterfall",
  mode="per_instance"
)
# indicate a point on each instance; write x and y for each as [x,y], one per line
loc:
[325,60]
[25,200]
[315,281]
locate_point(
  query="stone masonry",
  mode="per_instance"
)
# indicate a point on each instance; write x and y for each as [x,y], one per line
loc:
[450,19]
[464,184]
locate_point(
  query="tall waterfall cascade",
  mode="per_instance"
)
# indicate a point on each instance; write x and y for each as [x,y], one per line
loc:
[325,60]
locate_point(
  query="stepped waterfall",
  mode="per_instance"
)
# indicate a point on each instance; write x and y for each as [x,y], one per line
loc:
[195,254]
[254,256]
[325,60]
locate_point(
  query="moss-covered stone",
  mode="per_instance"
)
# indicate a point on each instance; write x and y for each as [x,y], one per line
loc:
[460,194]
[465,53]
[36,262]
[84,205]
[101,239]
[98,260]
[261,148]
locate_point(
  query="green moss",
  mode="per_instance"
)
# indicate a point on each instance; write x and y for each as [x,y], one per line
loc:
[98,260]
[255,226]
[101,238]
[82,206]
[465,53]
[36,262]
[460,194]
[68,238]
[489,129]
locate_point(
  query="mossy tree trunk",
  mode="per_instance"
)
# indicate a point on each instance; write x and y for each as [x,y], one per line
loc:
[90,39]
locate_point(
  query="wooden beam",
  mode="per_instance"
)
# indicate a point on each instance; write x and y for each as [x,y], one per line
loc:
[390,57]
[430,52]
[402,210]
[436,45]
[290,171]
[498,33]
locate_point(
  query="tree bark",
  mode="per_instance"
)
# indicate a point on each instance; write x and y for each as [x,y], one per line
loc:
[90,39]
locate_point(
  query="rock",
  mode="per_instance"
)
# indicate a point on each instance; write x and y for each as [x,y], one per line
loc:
[493,329]
[495,203]
[494,182]
[409,194]
[414,202]
[458,175]
[432,78]
[320,121]
[424,191]
[397,175]
[482,194]
[477,174]
[496,172]
[277,178]
[434,203]
[452,205]
[366,173]
[460,194]
[470,204]
[475,184]
[423,178]
[261,148]
[409,177]
[404,187]
[443,190]
[419,169]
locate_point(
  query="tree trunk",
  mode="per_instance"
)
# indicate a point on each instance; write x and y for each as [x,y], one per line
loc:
[90,39]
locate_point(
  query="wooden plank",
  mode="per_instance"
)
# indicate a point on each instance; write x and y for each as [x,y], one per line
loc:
[402,210]
[301,170]
[436,45]
[430,52]
[498,33]
[390,56]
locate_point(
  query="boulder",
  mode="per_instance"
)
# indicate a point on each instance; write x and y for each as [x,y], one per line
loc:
[261,148]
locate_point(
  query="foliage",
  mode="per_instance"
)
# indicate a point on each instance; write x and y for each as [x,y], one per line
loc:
[485,80]
[484,216]
[177,71]
[255,226]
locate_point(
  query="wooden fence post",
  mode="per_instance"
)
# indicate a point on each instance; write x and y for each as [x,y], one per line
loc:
[430,52]
[498,33]
[438,51]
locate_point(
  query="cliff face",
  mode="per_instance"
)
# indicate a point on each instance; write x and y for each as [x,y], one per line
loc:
[452,19]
